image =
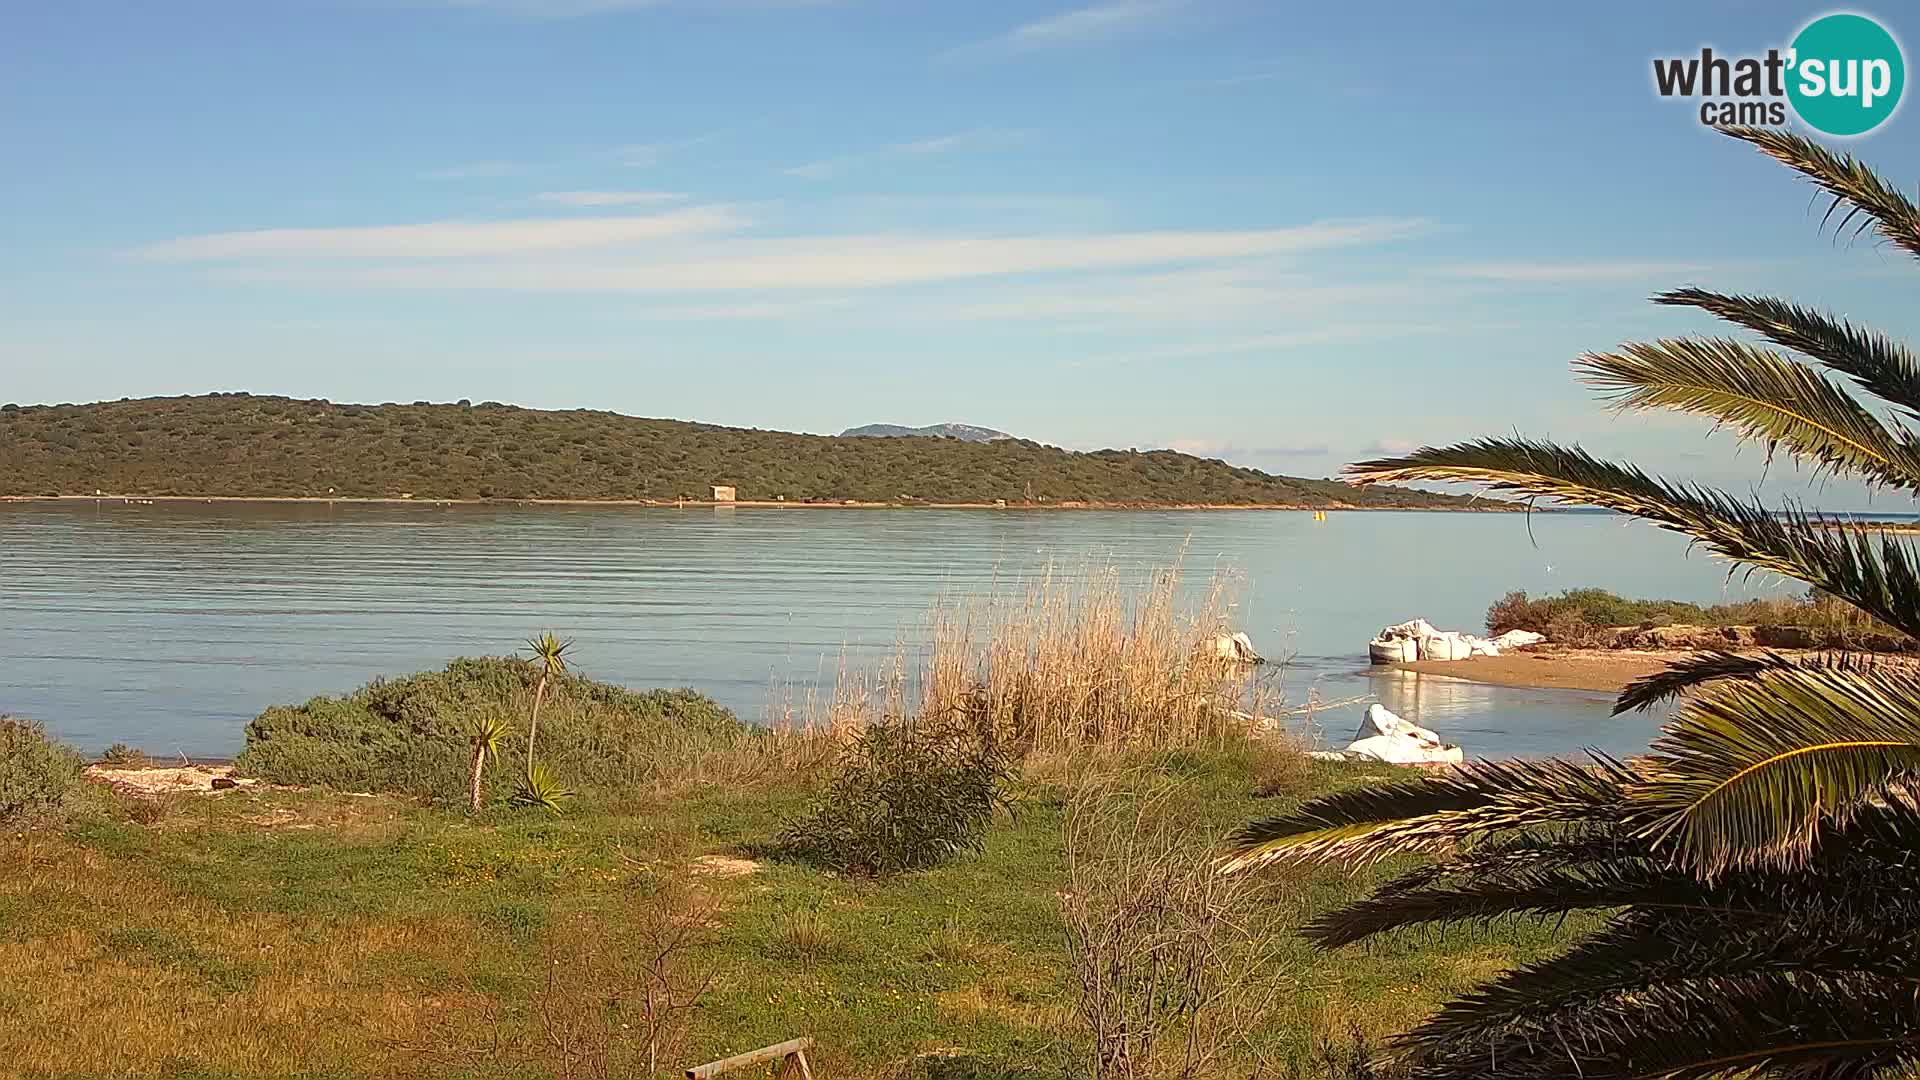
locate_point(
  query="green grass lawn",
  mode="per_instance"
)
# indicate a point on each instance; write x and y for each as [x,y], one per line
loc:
[307,933]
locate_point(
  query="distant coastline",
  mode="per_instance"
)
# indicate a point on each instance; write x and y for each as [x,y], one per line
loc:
[1490,507]
[239,446]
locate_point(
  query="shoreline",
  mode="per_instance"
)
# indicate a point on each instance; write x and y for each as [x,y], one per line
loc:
[1598,670]
[755,504]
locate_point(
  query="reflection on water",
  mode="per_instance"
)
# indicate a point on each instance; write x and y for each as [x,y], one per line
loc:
[1479,716]
[170,625]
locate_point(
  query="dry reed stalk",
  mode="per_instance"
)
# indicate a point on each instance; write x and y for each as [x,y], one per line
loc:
[1086,659]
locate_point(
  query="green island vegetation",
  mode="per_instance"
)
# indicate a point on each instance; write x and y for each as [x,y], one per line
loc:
[241,445]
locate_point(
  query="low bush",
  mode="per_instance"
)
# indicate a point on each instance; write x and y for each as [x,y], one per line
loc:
[907,794]
[1577,616]
[1595,607]
[1169,960]
[38,777]
[409,736]
[122,756]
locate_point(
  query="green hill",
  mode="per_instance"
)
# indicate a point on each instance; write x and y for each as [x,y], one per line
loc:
[243,445]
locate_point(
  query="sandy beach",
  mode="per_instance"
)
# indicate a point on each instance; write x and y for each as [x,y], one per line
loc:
[1557,669]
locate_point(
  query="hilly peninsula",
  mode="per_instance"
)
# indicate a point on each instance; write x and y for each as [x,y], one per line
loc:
[237,445]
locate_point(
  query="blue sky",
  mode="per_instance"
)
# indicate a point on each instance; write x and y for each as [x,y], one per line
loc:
[1287,235]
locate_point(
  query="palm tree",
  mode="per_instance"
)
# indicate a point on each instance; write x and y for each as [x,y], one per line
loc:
[1759,872]
[549,655]
[484,736]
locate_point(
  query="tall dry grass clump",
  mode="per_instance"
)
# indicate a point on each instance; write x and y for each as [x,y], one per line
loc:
[1093,659]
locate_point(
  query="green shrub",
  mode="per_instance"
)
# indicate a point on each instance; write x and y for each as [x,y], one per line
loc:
[408,735]
[38,776]
[122,756]
[907,794]
[1579,614]
[1597,608]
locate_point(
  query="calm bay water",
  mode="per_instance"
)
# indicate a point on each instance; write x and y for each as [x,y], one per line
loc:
[169,626]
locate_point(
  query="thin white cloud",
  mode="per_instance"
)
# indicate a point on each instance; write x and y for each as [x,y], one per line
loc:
[608,198]
[979,139]
[1572,271]
[648,154]
[474,169]
[1229,450]
[1083,24]
[1202,294]
[552,9]
[445,239]
[1324,333]
[813,262]
[569,9]
[1390,445]
[1075,27]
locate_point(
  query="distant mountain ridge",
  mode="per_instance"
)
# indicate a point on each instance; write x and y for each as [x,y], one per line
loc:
[963,432]
[237,445]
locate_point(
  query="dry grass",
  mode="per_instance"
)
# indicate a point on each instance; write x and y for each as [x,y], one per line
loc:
[805,938]
[1172,967]
[1094,658]
[190,987]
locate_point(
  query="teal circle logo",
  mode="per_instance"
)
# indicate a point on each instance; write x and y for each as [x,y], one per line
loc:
[1846,74]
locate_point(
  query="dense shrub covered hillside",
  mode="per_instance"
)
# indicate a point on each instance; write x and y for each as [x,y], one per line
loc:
[245,445]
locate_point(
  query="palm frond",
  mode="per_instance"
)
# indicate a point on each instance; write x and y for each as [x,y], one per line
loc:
[1642,950]
[1698,670]
[1873,570]
[1761,394]
[1474,801]
[1525,891]
[1879,364]
[1746,773]
[1773,1023]
[1872,202]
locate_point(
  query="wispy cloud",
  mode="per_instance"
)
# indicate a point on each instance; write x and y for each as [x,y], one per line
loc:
[1087,23]
[648,154]
[1229,450]
[475,169]
[978,139]
[838,261]
[1569,271]
[569,9]
[444,239]
[1312,333]
[552,9]
[608,198]
[1202,294]
[1075,27]
[1390,445]
[1244,80]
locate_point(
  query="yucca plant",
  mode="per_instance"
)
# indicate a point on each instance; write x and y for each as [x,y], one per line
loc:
[485,734]
[1759,871]
[541,788]
[549,657]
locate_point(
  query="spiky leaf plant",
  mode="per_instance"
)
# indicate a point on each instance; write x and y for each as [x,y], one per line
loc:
[1759,871]
[550,659]
[541,788]
[485,734]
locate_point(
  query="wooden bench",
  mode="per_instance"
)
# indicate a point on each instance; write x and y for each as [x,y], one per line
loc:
[791,1054]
